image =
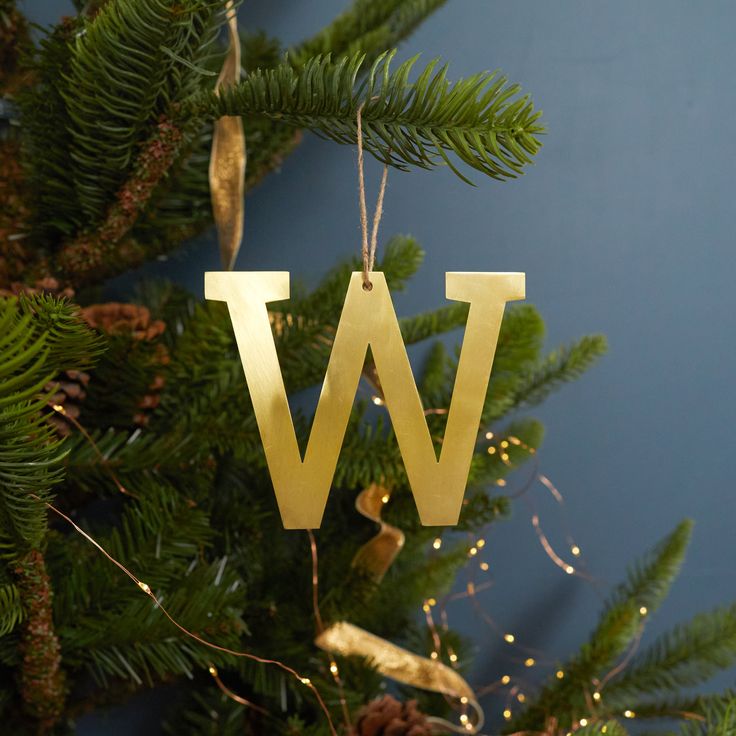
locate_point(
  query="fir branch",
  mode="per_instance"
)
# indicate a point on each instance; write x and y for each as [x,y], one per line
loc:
[46,121]
[684,657]
[646,587]
[518,349]
[480,119]
[11,608]
[421,326]
[40,336]
[609,728]
[719,713]
[124,72]
[564,365]
[367,26]
[94,255]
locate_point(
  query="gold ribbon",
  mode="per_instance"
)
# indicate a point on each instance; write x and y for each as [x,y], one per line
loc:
[377,555]
[343,638]
[393,661]
[228,158]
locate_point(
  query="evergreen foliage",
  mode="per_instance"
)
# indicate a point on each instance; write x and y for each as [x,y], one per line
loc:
[197,496]
[39,337]
[479,119]
[654,685]
[165,467]
[107,80]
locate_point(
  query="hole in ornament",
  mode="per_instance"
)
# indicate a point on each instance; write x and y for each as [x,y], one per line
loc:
[367,286]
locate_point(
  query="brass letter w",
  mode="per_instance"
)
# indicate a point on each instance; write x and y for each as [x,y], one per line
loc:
[368,318]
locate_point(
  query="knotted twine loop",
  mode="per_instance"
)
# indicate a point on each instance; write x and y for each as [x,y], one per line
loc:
[368,250]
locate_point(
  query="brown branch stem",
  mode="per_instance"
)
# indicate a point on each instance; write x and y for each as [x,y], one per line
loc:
[88,256]
[42,682]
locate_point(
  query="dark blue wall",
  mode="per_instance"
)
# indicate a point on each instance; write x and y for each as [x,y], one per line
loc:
[624,226]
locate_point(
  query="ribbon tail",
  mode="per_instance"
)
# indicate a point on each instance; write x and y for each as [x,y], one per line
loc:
[393,661]
[378,554]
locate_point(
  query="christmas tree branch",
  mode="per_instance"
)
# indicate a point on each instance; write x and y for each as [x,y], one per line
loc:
[480,120]
[87,256]
[42,685]
[368,26]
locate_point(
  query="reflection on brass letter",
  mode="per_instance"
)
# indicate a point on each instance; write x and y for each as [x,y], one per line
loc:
[368,318]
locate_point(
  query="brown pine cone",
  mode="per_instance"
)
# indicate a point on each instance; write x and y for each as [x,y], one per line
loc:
[69,393]
[116,318]
[47,285]
[387,716]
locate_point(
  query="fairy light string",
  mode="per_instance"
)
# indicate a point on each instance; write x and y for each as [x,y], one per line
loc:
[334,669]
[196,637]
[59,409]
[513,688]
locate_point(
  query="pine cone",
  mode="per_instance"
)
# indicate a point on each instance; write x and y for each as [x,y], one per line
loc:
[47,285]
[115,318]
[69,393]
[387,716]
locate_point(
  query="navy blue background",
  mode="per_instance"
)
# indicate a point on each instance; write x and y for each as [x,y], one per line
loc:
[624,226]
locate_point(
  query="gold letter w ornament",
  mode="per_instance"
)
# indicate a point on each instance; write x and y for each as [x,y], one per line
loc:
[368,318]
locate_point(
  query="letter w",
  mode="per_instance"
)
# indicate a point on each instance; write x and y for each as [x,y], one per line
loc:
[368,318]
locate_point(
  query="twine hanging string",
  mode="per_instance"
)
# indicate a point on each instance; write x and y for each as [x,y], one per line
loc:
[368,249]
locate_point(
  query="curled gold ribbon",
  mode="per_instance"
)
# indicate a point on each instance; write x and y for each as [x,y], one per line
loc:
[378,554]
[344,639]
[228,158]
[393,661]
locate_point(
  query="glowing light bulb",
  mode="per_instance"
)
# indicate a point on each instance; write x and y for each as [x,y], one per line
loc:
[144,587]
[629,714]
[643,611]
[559,674]
[473,551]
[480,543]
[305,681]
[489,435]
[509,638]
[437,543]
[505,679]
[453,657]
[596,697]
[212,670]
[583,722]
[377,400]
[491,450]
[484,566]
[507,714]
[529,662]
[333,668]
[569,569]
[575,550]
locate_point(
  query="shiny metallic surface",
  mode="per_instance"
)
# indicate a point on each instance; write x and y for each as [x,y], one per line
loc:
[368,319]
